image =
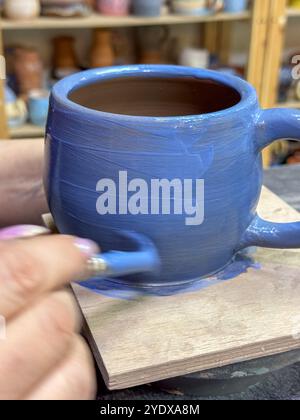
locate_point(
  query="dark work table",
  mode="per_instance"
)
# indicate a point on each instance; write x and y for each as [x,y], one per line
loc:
[282,384]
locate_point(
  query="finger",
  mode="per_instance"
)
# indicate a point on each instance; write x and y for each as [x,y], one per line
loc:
[22,231]
[36,342]
[74,379]
[31,267]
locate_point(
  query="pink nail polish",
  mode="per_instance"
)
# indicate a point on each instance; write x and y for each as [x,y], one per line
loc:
[22,231]
[87,247]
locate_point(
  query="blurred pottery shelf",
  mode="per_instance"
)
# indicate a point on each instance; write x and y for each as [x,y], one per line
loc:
[26,131]
[290,104]
[98,21]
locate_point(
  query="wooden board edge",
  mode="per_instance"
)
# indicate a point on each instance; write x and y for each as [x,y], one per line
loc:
[87,334]
[227,358]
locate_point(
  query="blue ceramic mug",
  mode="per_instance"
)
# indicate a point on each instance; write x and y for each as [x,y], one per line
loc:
[161,165]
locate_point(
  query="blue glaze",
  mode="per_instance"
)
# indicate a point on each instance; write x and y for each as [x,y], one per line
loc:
[223,148]
[144,259]
[272,125]
[241,264]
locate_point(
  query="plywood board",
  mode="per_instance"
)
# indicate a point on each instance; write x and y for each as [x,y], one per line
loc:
[254,315]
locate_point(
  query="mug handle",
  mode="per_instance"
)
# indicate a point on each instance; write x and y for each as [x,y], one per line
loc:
[144,259]
[272,125]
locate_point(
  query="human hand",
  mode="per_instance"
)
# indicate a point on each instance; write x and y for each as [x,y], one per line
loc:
[43,356]
[22,196]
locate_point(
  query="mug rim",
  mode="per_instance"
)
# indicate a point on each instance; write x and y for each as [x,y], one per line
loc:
[62,89]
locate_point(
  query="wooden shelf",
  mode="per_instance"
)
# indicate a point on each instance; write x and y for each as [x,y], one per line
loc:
[290,104]
[26,131]
[98,21]
[293,12]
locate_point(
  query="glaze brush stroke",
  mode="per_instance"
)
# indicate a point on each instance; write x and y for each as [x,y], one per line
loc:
[221,145]
[241,264]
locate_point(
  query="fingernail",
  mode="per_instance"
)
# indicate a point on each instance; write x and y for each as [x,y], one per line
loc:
[87,247]
[22,231]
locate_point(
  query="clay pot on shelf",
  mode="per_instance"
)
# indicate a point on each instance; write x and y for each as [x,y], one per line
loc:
[113,7]
[28,69]
[194,57]
[124,46]
[64,57]
[197,7]
[21,9]
[147,8]
[294,159]
[102,52]
[150,57]
[151,42]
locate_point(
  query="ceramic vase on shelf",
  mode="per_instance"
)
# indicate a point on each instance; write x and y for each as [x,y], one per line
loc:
[151,57]
[124,46]
[64,57]
[235,6]
[193,7]
[113,7]
[151,41]
[102,52]
[147,8]
[194,57]
[38,103]
[21,9]
[28,69]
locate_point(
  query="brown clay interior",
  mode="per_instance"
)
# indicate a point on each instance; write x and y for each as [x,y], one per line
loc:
[156,97]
